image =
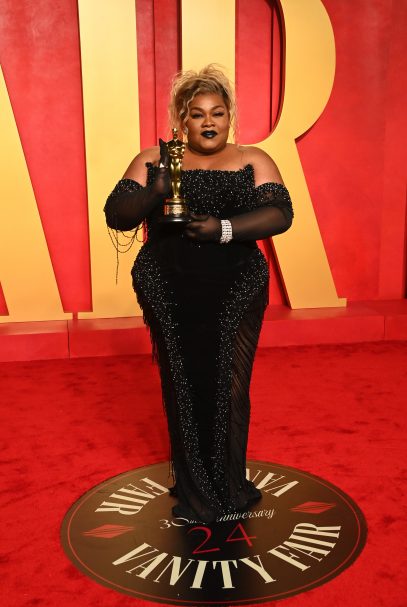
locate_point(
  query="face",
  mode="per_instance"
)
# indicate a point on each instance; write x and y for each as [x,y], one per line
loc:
[208,124]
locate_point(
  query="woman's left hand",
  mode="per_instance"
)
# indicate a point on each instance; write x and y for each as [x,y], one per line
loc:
[203,227]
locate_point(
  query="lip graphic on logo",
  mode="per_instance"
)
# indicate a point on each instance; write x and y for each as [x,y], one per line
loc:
[303,532]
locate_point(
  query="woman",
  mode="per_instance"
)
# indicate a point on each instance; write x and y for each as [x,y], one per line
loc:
[203,287]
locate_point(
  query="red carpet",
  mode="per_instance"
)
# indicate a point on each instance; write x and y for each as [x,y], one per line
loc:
[335,411]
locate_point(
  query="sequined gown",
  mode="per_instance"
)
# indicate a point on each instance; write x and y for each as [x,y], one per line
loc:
[204,304]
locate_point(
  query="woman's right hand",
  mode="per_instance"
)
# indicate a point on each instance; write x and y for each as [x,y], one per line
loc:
[162,181]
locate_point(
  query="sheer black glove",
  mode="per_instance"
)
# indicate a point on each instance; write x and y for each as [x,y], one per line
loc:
[203,227]
[258,224]
[273,215]
[255,225]
[130,203]
[162,182]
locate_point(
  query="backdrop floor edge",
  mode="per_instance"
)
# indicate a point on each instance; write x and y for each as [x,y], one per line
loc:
[359,321]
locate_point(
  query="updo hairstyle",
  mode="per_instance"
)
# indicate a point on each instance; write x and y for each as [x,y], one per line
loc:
[186,85]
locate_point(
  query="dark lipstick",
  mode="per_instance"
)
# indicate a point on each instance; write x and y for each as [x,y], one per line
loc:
[209,134]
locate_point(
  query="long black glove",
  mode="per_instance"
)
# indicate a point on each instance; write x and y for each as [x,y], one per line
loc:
[273,215]
[130,203]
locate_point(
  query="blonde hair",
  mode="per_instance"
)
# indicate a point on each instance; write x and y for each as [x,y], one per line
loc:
[186,85]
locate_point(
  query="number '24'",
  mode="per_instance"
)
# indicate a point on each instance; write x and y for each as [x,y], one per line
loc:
[232,537]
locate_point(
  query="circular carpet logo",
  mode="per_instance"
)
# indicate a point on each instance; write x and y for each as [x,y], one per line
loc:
[302,532]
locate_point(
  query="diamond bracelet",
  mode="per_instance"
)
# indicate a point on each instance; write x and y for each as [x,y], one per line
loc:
[226,231]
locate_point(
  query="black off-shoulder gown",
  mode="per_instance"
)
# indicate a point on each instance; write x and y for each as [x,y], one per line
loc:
[204,304]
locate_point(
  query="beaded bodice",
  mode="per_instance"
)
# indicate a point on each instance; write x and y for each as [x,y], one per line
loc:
[220,193]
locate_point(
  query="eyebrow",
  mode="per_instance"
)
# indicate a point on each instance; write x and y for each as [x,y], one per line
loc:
[196,107]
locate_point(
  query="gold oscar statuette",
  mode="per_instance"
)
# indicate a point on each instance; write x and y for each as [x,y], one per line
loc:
[176,207]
